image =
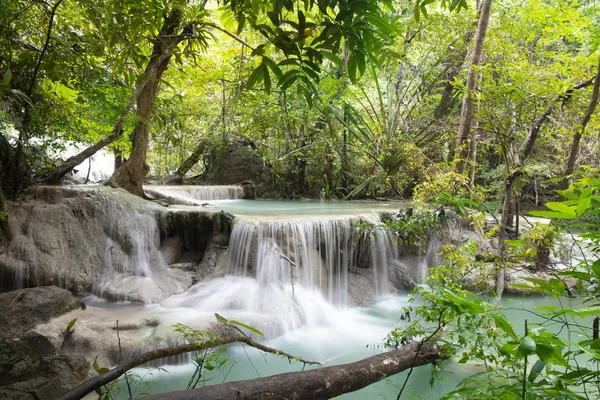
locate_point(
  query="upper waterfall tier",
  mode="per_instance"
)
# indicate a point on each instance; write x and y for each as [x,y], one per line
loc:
[190,195]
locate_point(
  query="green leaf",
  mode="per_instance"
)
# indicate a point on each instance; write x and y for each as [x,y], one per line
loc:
[552,214]
[274,17]
[255,76]
[70,325]
[551,354]
[331,57]
[7,78]
[537,368]
[250,328]
[503,324]
[273,66]
[561,207]
[526,347]
[221,319]
[583,205]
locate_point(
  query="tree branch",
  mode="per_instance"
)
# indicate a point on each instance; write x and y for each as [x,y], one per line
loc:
[316,384]
[98,381]
[231,35]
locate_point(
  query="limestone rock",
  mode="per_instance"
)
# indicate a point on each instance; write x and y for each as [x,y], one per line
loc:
[399,276]
[103,241]
[32,368]
[25,308]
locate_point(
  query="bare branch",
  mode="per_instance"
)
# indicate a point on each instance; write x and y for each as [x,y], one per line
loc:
[100,380]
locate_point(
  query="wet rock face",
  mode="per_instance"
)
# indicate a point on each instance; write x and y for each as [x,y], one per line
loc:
[104,241]
[240,165]
[400,277]
[32,368]
[25,308]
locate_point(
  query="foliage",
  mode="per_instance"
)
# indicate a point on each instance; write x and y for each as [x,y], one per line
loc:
[413,228]
[135,383]
[540,362]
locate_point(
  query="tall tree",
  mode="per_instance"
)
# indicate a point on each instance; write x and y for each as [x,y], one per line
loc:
[465,134]
[580,128]
[130,174]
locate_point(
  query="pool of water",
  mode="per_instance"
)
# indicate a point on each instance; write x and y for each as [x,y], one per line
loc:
[270,209]
[350,334]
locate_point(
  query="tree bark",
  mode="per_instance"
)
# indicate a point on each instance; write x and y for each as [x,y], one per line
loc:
[131,174]
[316,384]
[574,150]
[466,114]
[447,93]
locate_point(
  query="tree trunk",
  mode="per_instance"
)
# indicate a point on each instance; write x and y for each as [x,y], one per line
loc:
[316,384]
[466,114]
[131,174]
[177,176]
[574,151]
[506,230]
[192,159]
[447,93]
[520,156]
[473,155]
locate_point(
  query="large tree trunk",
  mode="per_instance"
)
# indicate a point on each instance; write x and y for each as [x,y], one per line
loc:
[117,131]
[466,114]
[574,151]
[316,384]
[131,174]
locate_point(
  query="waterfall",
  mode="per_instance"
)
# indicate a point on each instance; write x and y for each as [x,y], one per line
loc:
[189,195]
[316,254]
[284,274]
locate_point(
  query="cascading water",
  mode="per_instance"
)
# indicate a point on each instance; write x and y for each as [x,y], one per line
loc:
[283,274]
[314,253]
[195,194]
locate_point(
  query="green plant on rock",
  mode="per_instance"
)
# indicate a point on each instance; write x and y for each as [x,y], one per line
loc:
[414,227]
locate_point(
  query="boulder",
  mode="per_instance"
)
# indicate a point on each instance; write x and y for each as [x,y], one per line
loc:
[400,277]
[239,165]
[32,368]
[25,308]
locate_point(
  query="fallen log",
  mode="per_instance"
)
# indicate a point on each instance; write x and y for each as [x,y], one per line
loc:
[315,384]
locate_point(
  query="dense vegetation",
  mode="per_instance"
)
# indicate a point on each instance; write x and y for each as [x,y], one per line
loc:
[353,99]
[452,102]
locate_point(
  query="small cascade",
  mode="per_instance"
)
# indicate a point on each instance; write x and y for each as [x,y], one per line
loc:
[316,254]
[89,239]
[284,274]
[144,275]
[195,195]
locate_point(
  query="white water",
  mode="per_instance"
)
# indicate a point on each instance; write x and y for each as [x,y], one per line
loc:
[96,168]
[348,334]
[284,274]
[316,254]
[195,194]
